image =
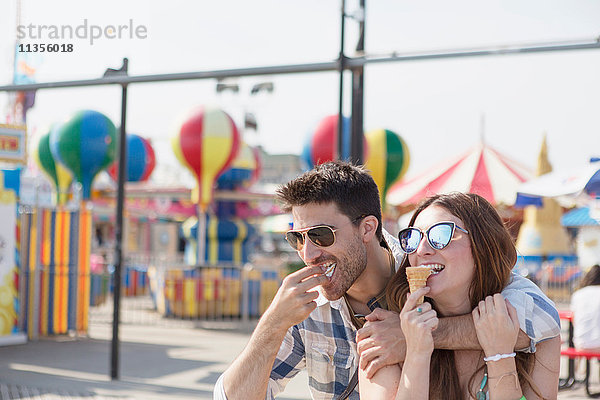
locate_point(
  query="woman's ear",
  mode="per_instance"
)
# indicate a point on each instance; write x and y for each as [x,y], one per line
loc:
[368,227]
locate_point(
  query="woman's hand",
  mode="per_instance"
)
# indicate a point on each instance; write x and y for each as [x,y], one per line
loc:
[496,324]
[418,323]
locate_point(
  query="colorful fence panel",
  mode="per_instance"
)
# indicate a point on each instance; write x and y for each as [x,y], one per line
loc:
[134,280]
[209,292]
[99,288]
[55,266]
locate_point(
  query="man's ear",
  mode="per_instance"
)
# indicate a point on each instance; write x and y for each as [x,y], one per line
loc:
[368,227]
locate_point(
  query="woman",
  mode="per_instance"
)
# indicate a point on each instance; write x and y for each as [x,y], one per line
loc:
[585,304]
[462,238]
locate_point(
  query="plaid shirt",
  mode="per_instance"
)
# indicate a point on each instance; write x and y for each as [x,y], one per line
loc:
[325,343]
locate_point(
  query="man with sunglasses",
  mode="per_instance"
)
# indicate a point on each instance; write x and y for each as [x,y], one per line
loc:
[313,320]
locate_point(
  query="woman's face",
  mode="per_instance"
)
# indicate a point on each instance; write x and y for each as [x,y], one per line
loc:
[450,286]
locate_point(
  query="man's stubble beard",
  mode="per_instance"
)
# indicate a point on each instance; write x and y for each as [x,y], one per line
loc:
[349,268]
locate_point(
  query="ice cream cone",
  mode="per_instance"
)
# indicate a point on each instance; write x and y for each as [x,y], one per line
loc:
[417,278]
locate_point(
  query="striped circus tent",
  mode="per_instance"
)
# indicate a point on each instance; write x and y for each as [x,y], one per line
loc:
[482,170]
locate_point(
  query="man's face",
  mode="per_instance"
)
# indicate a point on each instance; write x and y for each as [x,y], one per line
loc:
[345,260]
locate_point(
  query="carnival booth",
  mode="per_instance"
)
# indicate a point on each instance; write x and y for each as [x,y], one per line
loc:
[559,263]
[141,232]
[151,238]
[544,245]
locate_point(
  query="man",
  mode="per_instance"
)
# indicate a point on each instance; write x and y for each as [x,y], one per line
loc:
[313,319]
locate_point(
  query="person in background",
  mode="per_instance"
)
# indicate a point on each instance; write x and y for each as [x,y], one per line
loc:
[585,304]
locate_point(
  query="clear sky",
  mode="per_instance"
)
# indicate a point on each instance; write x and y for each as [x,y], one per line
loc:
[436,106]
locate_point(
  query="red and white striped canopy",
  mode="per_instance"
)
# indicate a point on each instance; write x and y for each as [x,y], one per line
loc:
[481,170]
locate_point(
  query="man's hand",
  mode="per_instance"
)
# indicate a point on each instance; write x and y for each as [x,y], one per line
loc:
[380,342]
[293,302]
[248,375]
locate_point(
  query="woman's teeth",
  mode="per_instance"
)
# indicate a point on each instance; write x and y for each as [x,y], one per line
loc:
[435,268]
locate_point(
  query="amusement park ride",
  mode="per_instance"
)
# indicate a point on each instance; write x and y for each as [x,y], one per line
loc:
[207,143]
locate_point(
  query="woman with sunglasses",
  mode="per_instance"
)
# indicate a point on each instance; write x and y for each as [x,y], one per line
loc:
[471,254]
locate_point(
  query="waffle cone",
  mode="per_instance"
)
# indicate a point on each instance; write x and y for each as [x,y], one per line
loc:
[417,278]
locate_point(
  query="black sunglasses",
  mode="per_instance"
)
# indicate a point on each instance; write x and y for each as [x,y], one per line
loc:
[438,236]
[321,235]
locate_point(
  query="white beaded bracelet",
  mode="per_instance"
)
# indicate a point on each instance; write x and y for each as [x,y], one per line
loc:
[499,357]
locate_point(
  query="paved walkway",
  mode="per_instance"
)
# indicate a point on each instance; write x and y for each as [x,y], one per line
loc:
[157,362]
[183,362]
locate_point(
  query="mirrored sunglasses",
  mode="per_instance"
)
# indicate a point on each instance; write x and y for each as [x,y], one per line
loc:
[438,236]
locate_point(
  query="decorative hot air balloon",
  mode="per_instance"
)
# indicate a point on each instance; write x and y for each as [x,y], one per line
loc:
[150,160]
[206,143]
[140,160]
[387,160]
[85,144]
[322,145]
[241,170]
[61,177]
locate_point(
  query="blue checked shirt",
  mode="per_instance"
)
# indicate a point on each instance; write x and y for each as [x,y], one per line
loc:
[325,343]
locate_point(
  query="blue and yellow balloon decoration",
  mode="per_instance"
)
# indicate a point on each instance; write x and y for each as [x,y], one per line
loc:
[241,171]
[226,240]
[57,172]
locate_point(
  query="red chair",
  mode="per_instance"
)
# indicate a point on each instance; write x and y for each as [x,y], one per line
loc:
[573,353]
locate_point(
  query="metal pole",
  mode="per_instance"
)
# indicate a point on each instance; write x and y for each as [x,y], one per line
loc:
[219,74]
[13,97]
[340,130]
[35,308]
[356,136]
[201,236]
[589,44]
[114,358]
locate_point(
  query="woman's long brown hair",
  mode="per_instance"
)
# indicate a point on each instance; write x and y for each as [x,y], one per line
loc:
[495,255]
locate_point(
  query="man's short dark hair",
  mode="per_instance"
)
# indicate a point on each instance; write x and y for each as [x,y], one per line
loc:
[348,186]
